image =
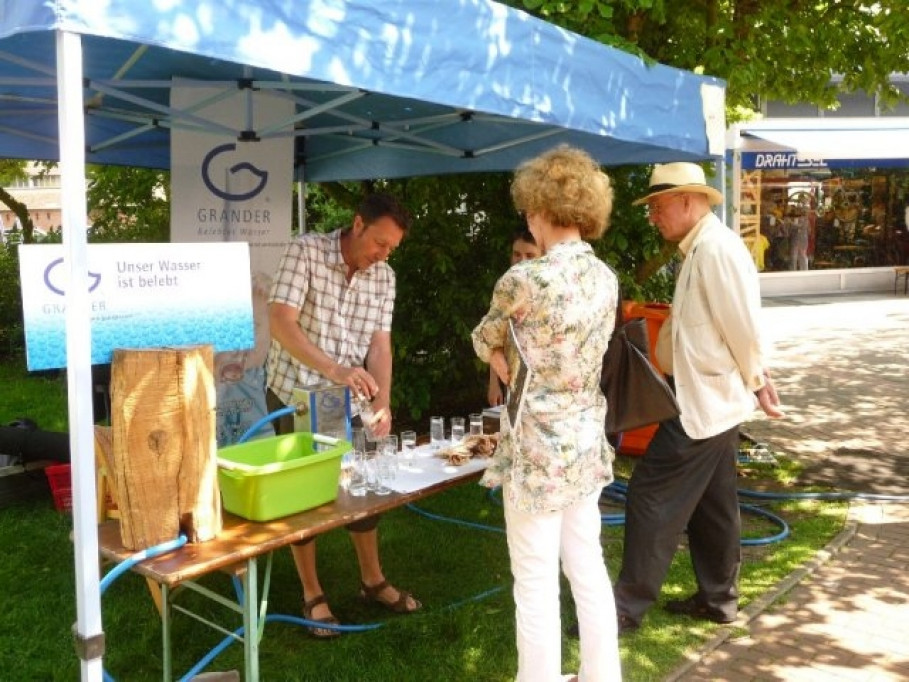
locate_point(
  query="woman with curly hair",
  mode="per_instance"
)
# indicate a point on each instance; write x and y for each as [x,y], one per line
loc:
[553,463]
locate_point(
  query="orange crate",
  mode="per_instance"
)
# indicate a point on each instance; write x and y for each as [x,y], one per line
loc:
[635,442]
[58,475]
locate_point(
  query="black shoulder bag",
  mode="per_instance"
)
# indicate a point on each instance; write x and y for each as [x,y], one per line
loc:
[636,394]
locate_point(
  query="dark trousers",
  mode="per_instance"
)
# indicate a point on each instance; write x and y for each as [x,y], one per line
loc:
[682,484]
[285,424]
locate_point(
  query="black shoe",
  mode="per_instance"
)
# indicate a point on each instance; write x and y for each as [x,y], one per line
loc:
[692,608]
[626,624]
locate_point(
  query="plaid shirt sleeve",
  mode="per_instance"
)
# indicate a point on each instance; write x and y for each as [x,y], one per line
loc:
[291,283]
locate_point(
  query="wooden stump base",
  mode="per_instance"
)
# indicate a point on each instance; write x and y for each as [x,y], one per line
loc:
[164,445]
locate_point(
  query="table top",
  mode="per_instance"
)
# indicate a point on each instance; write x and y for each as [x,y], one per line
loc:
[241,539]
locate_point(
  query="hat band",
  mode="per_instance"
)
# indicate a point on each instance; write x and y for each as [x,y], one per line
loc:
[667,186]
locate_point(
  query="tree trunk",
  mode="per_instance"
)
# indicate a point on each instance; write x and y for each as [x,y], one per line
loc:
[21,211]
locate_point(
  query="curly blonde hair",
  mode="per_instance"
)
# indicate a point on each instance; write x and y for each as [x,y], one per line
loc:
[567,187]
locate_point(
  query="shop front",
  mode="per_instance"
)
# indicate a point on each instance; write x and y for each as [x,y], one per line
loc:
[823,206]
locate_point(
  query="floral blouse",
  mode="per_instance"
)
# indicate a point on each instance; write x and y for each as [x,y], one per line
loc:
[563,309]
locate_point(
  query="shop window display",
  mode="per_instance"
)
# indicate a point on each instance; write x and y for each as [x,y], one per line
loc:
[819,218]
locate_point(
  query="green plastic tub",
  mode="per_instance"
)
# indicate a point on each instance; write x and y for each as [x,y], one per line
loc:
[269,478]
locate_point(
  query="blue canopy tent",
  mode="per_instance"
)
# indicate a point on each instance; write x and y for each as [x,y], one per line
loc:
[381,89]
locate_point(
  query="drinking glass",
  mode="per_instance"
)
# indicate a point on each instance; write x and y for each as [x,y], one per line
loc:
[371,466]
[408,444]
[436,432]
[457,429]
[390,453]
[476,424]
[357,484]
[384,471]
[367,416]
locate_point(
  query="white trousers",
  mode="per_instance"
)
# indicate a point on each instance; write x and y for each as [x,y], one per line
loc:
[536,542]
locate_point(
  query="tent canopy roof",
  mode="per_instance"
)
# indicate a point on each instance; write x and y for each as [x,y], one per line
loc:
[389,89]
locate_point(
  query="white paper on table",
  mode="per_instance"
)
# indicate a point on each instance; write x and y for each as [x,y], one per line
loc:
[427,469]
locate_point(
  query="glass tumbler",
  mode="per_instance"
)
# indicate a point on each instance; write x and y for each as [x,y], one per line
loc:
[436,432]
[408,445]
[389,449]
[457,429]
[384,471]
[357,484]
[476,424]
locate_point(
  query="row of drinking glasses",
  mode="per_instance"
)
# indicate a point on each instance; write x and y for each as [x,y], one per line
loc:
[371,470]
[437,429]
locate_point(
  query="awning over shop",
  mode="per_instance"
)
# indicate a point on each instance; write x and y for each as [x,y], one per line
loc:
[859,138]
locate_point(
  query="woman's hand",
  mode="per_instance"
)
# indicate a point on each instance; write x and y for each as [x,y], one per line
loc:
[494,392]
[499,365]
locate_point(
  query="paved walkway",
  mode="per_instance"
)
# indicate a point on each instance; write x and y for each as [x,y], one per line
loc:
[841,369]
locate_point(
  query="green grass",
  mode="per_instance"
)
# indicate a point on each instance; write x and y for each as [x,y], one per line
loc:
[465,631]
[40,396]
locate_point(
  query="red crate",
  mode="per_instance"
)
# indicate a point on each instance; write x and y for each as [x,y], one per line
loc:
[58,475]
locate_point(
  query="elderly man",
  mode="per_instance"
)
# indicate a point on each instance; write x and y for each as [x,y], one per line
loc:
[711,346]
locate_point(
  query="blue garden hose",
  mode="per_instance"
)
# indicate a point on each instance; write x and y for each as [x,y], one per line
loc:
[616,491]
[128,563]
[267,419]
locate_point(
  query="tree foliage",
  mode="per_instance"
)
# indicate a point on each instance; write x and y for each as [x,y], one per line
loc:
[128,204]
[788,50]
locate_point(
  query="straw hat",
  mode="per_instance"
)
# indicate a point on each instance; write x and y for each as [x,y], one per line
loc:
[679,177]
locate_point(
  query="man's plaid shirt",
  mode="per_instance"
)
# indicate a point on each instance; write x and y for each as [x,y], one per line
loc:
[338,317]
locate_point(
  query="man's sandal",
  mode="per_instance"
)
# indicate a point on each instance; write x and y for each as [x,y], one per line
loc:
[400,605]
[315,631]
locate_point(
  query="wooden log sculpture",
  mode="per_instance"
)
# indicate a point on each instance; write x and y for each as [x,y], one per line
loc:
[164,445]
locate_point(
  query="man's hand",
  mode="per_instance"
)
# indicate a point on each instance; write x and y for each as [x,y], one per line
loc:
[380,425]
[769,400]
[360,382]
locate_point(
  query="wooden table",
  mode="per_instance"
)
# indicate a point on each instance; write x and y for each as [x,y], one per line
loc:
[239,546]
[853,252]
[901,271]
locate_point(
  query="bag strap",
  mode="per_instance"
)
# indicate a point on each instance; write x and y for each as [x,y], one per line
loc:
[619,317]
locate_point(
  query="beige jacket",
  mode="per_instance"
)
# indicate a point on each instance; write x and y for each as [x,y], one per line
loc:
[717,350]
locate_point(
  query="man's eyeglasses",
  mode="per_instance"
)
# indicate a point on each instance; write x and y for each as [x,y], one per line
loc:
[659,204]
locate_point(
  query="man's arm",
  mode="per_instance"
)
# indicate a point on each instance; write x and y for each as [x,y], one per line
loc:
[285,329]
[379,364]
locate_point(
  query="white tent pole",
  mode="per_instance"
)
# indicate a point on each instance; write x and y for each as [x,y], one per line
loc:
[301,204]
[88,632]
[736,145]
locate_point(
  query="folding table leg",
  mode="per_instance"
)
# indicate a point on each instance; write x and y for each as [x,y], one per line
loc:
[165,633]
[251,621]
